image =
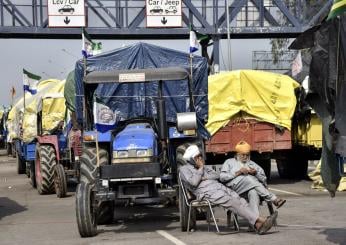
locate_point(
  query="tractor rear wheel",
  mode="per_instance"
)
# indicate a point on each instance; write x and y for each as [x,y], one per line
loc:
[60,182]
[86,219]
[88,164]
[13,149]
[9,149]
[20,164]
[44,169]
[32,174]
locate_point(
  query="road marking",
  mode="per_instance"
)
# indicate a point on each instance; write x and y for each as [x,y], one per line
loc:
[287,192]
[307,226]
[170,237]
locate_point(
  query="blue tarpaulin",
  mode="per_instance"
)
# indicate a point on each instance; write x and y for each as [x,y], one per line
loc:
[134,100]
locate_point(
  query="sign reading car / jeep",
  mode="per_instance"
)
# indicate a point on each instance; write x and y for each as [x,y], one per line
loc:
[66,13]
[163,13]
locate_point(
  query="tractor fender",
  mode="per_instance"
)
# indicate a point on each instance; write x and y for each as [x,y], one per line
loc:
[50,140]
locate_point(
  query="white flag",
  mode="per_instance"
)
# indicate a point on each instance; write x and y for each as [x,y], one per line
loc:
[90,48]
[104,117]
[30,81]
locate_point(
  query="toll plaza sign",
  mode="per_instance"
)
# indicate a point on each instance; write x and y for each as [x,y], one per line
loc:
[163,13]
[66,13]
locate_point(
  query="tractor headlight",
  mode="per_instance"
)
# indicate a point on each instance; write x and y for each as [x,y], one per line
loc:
[144,153]
[120,154]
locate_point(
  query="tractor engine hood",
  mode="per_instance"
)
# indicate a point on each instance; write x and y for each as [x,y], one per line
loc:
[134,137]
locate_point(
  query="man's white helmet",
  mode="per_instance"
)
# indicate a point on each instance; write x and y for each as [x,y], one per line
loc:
[191,152]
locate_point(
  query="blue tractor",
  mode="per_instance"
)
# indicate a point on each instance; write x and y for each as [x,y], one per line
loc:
[137,160]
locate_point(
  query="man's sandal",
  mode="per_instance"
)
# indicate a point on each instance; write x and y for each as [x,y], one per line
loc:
[268,223]
[279,203]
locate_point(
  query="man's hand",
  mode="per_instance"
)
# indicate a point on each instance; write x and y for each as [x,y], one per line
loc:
[252,171]
[199,163]
[243,170]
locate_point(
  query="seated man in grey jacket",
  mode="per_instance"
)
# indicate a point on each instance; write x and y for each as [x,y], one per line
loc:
[244,176]
[203,182]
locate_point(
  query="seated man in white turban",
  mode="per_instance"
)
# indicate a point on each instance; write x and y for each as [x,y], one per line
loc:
[203,182]
[244,176]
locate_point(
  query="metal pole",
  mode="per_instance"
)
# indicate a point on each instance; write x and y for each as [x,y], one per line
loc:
[2,12]
[192,103]
[41,13]
[228,37]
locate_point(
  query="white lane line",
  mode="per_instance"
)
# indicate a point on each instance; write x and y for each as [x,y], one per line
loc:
[287,192]
[307,226]
[170,237]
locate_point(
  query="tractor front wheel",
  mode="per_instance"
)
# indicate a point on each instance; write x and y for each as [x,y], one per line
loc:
[60,182]
[86,218]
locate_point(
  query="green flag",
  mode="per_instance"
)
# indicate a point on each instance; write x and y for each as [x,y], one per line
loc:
[339,6]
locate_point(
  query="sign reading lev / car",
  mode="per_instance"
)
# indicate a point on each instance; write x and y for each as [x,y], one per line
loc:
[163,13]
[66,13]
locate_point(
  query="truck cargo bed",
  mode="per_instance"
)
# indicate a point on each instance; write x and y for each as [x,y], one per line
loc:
[262,136]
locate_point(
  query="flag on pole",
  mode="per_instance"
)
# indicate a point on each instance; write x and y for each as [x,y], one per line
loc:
[338,7]
[297,65]
[104,117]
[30,82]
[89,48]
[195,39]
[97,48]
[13,92]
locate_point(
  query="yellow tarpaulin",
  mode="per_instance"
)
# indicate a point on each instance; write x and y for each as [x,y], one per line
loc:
[1,113]
[15,118]
[266,96]
[53,112]
[35,105]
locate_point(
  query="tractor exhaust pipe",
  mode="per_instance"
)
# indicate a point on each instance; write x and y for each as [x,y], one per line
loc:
[161,113]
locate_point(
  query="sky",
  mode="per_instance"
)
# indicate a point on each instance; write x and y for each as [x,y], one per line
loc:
[56,58]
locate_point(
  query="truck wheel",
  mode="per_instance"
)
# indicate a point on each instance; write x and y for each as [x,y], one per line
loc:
[266,165]
[44,169]
[60,182]
[292,168]
[106,213]
[20,165]
[88,163]
[32,174]
[301,169]
[85,214]
[283,168]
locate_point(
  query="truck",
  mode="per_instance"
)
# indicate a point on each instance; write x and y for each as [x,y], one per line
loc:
[131,152]
[257,107]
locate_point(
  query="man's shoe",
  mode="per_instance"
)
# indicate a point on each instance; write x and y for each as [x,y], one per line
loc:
[279,202]
[268,223]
